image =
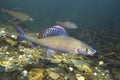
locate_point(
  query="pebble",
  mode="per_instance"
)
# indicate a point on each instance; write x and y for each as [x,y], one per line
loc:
[24,73]
[95,74]
[101,62]
[54,75]
[70,68]
[2,32]
[79,77]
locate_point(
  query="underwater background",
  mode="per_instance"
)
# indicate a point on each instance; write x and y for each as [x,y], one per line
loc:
[98,25]
[98,13]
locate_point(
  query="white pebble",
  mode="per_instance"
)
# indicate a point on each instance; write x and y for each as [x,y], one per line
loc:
[7,53]
[10,59]
[25,73]
[96,68]
[70,68]
[95,74]
[101,62]
[103,74]
[13,36]
[2,31]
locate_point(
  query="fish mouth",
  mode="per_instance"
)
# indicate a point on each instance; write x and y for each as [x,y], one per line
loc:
[93,52]
[31,19]
[75,27]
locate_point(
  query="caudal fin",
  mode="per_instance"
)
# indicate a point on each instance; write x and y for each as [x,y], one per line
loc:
[4,10]
[20,31]
[21,36]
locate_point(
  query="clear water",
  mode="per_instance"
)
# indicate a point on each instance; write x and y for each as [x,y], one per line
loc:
[97,13]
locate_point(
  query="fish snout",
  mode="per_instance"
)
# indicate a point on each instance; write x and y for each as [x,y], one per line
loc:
[31,19]
[91,52]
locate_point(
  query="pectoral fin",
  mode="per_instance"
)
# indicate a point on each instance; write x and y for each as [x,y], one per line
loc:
[49,52]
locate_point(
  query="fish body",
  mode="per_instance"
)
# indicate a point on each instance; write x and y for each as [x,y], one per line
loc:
[18,15]
[56,30]
[67,24]
[61,44]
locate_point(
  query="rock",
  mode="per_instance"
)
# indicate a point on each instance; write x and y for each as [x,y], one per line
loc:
[86,68]
[79,77]
[24,73]
[56,61]
[10,41]
[54,75]
[81,65]
[71,76]
[101,63]
[36,74]
[5,63]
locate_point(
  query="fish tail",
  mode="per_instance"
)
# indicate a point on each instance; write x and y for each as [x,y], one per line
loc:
[20,31]
[58,22]
[21,36]
[3,10]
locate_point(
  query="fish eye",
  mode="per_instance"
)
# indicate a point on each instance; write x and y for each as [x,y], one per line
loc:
[86,50]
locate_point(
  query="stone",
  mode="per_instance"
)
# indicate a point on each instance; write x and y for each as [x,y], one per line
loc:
[54,75]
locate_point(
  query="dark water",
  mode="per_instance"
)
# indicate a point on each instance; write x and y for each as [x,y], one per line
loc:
[99,13]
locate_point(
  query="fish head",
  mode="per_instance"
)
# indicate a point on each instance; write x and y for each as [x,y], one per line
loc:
[28,18]
[85,50]
[31,19]
[72,25]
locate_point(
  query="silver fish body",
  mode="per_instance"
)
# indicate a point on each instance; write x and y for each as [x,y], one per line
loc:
[60,43]
[63,44]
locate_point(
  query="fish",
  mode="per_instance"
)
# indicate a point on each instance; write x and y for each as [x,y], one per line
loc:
[18,15]
[55,30]
[67,24]
[65,44]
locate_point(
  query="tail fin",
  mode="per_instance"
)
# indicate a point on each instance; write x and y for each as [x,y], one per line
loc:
[58,22]
[3,10]
[20,31]
[21,36]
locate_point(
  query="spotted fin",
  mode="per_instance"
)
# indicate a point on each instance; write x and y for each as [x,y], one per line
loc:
[53,31]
